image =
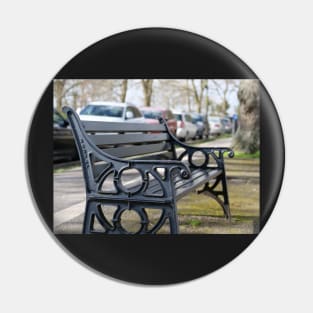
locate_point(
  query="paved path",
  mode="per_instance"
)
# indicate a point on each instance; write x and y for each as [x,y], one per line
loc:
[223,142]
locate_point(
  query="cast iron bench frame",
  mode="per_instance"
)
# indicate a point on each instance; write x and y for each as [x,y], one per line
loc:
[163,182]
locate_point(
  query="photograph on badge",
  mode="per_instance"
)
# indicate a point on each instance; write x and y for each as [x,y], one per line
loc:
[156,156]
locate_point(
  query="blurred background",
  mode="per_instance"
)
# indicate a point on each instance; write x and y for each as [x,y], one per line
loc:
[218,96]
[196,109]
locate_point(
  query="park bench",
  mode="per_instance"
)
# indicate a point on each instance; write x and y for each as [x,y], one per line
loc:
[166,170]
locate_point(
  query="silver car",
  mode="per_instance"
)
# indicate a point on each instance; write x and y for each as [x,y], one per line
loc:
[111,112]
[216,126]
[199,121]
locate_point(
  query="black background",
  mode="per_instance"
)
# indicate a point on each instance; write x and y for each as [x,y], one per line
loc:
[154,53]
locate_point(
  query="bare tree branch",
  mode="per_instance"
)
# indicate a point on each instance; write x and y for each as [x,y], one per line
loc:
[124,90]
[198,95]
[147,90]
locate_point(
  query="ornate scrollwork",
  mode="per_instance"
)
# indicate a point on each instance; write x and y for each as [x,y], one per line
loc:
[215,154]
[148,174]
[120,225]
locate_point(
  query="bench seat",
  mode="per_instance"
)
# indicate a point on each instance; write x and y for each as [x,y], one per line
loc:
[183,187]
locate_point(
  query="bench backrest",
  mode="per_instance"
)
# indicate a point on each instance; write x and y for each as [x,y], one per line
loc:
[126,140]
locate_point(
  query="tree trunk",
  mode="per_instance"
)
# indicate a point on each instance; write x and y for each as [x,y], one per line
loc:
[58,85]
[124,90]
[147,91]
[197,95]
[247,137]
[188,96]
[206,111]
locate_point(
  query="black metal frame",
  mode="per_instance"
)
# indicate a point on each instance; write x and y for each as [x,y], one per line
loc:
[217,154]
[138,199]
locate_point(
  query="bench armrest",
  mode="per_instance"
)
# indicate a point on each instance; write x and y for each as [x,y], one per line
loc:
[216,153]
[211,155]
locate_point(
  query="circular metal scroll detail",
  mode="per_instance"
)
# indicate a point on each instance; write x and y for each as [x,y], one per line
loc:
[143,221]
[132,184]
[198,158]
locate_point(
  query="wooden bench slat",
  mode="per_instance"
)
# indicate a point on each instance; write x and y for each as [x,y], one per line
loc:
[127,138]
[122,127]
[156,188]
[128,151]
[185,188]
[198,178]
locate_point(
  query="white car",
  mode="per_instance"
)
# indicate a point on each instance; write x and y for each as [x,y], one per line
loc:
[111,112]
[185,128]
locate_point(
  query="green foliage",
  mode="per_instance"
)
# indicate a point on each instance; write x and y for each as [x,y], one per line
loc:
[195,223]
[243,155]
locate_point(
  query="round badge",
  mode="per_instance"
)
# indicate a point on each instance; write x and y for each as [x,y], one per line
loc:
[155,156]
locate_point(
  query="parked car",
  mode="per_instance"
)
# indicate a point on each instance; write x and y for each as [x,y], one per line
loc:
[64,148]
[216,125]
[111,112]
[185,129]
[227,124]
[152,115]
[199,121]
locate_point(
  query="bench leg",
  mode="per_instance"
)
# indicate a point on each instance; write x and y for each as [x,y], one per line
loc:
[214,194]
[225,196]
[173,221]
[90,212]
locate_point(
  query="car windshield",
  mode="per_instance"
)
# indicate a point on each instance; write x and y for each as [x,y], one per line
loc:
[103,110]
[215,119]
[178,117]
[152,114]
